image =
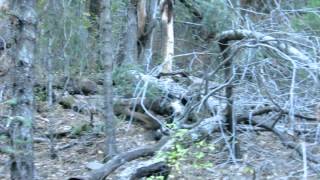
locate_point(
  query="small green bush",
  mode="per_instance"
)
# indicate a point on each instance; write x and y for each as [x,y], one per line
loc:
[308,21]
[126,84]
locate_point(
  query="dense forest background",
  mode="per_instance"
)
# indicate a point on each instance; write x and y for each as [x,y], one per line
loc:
[159,89]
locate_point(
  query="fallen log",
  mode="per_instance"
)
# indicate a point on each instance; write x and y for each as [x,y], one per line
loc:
[267,110]
[199,132]
[155,164]
[144,169]
[287,51]
[121,159]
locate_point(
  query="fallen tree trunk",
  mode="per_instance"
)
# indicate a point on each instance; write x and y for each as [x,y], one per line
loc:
[119,160]
[266,110]
[201,131]
[144,169]
[198,133]
[179,91]
[287,50]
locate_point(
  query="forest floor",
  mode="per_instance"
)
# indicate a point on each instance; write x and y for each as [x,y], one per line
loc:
[263,155]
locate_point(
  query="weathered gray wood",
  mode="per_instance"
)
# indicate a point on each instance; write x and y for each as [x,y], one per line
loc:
[110,149]
[286,49]
[131,55]
[144,169]
[121,159]
[23,20]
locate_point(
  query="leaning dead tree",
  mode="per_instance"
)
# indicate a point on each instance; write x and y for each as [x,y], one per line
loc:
[201,113]
[166,11]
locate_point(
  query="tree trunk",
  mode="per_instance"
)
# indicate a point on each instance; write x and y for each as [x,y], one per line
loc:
[168,34]
[231,120]
[131,56]
[139,34]
[106,52]
[50,57]
[147,36]
[95,11]
[21,133]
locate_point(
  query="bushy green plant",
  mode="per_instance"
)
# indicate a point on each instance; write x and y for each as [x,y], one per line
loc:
[123,79]
[126,84]
[216,16]
[309,21]
[179,153]
[40,94]
[80,128]
[199,155]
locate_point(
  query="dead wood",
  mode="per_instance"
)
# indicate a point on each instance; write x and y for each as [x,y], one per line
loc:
[204,128]
[154,165]
[287,140]
[291,51]
[121,159]
[149,123]
[160,168]
[199,132]
[144,169]
[267,110]
[59,134]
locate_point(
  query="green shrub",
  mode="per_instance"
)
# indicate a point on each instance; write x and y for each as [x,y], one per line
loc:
[126,84]
[308,21]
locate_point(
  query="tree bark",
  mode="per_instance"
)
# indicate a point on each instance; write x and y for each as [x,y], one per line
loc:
[231,121]
[166,7]
[147,36]
[139,34]
[24,21]
[50,57]
[106,52]
[95,11]
[131,56]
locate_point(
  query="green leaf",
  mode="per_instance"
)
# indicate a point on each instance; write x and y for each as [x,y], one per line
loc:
[248,170]
[200,155]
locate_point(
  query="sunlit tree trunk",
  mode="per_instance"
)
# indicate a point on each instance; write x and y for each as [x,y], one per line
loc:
[106,53]
[24,24]
[166,10]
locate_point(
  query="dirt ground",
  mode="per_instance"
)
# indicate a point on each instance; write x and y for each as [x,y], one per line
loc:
[263,155]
